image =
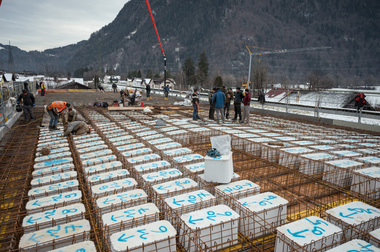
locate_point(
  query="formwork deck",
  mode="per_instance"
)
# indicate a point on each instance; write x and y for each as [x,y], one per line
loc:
[307,194]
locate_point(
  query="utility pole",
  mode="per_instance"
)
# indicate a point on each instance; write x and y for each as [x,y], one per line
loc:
[10,59]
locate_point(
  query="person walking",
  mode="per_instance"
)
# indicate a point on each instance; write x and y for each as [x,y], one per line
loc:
[55,109]
[237,104]
[77,128]
[114,87]
[195,101]
[229,98]
[28,102]
[219,99]
[166,91]
[26,86]
[211,112]
[147,88]
[360,101]
[247,106]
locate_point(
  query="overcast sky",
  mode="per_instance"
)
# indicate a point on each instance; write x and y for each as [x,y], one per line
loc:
[45,24]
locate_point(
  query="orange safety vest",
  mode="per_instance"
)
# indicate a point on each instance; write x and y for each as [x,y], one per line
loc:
[57,106]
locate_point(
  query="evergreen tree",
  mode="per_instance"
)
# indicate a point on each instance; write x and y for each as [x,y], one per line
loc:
[189,70]
[139,74]
[149,74]
[203,68]
[218,82]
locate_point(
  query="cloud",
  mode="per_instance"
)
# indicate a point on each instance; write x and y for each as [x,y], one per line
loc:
[44,24]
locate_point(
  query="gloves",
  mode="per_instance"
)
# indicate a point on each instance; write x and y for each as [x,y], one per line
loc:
[34,105]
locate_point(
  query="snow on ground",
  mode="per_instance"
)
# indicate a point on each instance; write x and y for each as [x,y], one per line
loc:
[322,115]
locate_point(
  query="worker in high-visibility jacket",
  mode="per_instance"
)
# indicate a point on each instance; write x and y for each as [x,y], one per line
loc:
[55,109]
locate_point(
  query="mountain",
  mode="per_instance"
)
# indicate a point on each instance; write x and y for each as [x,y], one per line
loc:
[223,28]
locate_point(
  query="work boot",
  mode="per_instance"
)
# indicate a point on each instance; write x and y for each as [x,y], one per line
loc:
[55,128]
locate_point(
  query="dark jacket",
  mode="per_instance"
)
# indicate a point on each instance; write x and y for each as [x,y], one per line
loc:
[238,97]
[27,99]
[219,99]
[247,99]
[147,88]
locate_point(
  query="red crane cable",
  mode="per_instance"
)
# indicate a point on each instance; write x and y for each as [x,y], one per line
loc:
[154,24]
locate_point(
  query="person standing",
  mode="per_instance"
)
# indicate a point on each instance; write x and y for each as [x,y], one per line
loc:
[229,98]
[43,88]
[26,86]
[28,102]
[360,101]
[211,112]
[195,101]
[55,109]
[114,87]
[247,106]
[237,104]
[147,88]
[219,99]
[166,91]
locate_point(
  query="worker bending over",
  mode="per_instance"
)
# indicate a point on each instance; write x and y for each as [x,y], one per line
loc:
[77,128]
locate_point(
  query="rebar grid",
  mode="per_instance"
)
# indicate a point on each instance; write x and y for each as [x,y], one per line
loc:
[308,194]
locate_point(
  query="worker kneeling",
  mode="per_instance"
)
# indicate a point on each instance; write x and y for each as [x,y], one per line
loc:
[77,128]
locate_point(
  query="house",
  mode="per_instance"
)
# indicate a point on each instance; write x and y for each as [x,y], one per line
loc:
[73,85]
[159,83]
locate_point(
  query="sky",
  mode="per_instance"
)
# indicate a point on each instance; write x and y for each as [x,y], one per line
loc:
[45,24]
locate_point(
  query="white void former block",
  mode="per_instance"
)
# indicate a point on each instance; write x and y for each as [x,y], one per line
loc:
[115,186]
[92,148]
[52,163]
[311,233]
[174,186]
[130,217]
[313,163]
[339,172]
[216,226]
[57,216]
[182,202]
[152,166]
[156,236]
[161,175]
[52,179]
[289,157]
[86,246]
[98,160]
[51,156]
[58,236]
[144,158]
[196,168]
[121,200]
[188,158]
[261,209]
[366,182]
[53,201]
[355,246]
[47,190]
[87,145]
[130,147]
[178,152]
[107,176]
[239,189]
[167,146]
[136,152]
[358,214]
[95,154]
[53,170]
[219,169]
[115,165]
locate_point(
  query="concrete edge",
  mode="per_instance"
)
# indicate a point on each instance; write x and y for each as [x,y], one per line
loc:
[9,124]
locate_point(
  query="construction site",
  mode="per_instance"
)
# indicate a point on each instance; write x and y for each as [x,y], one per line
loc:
[130,185]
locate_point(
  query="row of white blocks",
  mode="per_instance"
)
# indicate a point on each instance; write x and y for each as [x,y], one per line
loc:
[55,213]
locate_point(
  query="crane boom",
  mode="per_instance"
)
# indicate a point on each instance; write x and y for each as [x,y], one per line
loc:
[275,51]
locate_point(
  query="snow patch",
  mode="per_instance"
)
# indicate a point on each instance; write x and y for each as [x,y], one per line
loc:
[131,34]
